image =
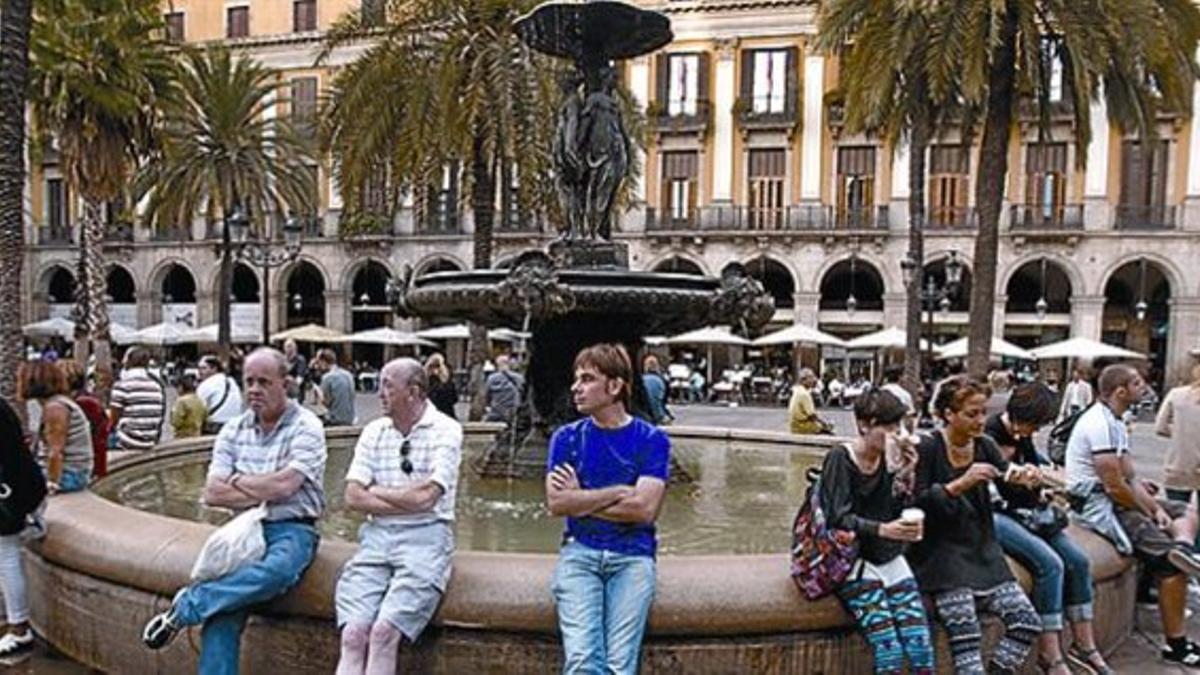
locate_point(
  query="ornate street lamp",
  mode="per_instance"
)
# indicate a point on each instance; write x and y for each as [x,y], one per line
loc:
[1141,306]
[265,255]
[1041,307]
[851,301]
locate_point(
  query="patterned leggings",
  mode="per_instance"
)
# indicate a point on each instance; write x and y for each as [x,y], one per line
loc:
[892,619]
[957,609]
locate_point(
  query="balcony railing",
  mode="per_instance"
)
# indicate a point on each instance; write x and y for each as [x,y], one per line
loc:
[1145,217]
[118,233]
[698,122]
[952,218]
[784,119]
[170,234]
[1035,218]
[1061,110]
[752,219]
[55,236]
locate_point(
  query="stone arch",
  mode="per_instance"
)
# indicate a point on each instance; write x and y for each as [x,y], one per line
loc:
[869,286]
[880,265]
[776,277]
[1074,275]
[176,280]
[679,262]
[351,271]
[505,263]
[284,273]
[246,285]
[119,278]
[304,287]
[49,277]
[159,272]
[1144,328]
[369,279]
[1024,284]
[935,268]
[1169,269]
[439,262]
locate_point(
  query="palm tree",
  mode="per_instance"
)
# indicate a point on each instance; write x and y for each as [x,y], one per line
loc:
[99,70]
[448,82]
[220,150]
[884,85]
[15,21]
[1139,55]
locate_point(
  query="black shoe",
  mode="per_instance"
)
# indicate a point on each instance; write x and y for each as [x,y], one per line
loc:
[160,630]
[1188,655]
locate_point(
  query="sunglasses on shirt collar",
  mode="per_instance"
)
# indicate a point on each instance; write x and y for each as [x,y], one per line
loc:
[405,464]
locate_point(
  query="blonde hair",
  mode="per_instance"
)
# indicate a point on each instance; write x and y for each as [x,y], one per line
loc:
[436,368]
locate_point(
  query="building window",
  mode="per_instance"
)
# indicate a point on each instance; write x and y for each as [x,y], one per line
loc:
[174,21]
[769,91]
[683,89]
[373,12]
[57,216]
[1053,65]
[768,171]
[949,180]
[304,103]
[313,188]
[237,22]
[679,186]
[1144,185]
[1046,180]
[856,185]
[304,16]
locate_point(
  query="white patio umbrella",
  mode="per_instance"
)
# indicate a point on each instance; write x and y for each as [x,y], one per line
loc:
[507,335]
[799,333]
[122,334]
[458,331]
[958,349]
[56,327]
[309,332]
[386,336]
[888,338]
[709,336]
[1083,348]
[162,334]
[208,334]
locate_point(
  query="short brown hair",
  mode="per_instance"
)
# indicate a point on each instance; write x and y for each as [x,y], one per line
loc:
[1116,376]
[137,357]
[954,392]
[612,361]
[42,379]
[75,375]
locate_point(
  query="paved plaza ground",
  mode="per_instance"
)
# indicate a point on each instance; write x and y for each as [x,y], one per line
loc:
[1137,654]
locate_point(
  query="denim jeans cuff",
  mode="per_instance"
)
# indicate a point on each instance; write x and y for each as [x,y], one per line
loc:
[182,612]
[1052,622]
[1082,612]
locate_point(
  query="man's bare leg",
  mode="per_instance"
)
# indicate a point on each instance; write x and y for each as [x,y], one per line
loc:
[353,659]
[384,649]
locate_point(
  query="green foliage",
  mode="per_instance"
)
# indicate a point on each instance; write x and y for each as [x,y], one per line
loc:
[363,224]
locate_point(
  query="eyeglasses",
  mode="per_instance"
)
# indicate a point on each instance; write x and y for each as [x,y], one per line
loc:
[406,465]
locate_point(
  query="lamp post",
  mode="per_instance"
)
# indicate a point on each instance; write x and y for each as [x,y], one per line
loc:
[933,296]
[265,255]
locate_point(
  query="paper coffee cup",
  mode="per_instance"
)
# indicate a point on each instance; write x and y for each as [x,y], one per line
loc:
[912,515]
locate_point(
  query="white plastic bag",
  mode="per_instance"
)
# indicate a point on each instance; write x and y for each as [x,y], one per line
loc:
[236,543]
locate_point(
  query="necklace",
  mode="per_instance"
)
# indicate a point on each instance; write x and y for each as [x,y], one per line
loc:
[958,454]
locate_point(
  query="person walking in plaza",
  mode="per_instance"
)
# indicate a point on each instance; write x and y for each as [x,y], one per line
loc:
[1114,503]
[27,489]
[443,394]
[65,435]
[1031,530]
[1000,382]
[220,392]
[802,412]
[138,405]
[297,370]
[1179,420]
[657,389]
[959,562]
[1078,394]
[404,477]
[189,414]
[273,453]
[862,494]
[336,391]
[78,390]
[504,391]
[607,474]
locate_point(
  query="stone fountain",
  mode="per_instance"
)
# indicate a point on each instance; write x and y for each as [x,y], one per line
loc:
[579,290]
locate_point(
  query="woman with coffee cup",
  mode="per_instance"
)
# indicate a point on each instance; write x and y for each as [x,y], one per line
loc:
[862,491]
[1029,530]
[959,562]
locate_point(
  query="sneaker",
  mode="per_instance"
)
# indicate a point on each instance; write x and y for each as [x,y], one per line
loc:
[1088,661]
[160,630]
[13,643]
[1189,656]
[1185,560]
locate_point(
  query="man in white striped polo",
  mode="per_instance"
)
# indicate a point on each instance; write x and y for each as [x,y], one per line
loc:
[138,405]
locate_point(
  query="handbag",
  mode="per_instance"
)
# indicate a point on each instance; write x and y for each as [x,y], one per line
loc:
[1045,521]
[822,556]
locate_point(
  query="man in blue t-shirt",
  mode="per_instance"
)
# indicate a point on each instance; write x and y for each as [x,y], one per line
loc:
[607,473]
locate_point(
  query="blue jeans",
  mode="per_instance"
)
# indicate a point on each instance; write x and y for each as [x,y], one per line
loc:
[73,480]
[1061,572]
[223,604]
[603,599]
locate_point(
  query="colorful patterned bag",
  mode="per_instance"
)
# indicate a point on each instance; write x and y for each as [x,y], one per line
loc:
[821,555]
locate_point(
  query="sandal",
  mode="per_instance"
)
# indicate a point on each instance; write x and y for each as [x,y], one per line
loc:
[1050,666]
[1189,656]
[1089,661]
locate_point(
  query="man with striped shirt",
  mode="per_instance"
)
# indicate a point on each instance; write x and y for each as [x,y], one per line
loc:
[138,404]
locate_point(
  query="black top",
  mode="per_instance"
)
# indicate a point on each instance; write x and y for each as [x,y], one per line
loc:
[960,548]
[859,502]
[443,395]
[19,472]
[1015,496]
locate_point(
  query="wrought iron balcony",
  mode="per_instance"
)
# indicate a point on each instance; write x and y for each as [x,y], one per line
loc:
[952,218]
[664,122]
[802,218]
[1145,217]
[171,234]
[55,235]
[785,119]
[1045,217]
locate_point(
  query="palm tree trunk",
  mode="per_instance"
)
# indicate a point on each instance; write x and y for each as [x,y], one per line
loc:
[919,142]
[14,77]
[92,232]
[989,192]
[483,209]
[224,287]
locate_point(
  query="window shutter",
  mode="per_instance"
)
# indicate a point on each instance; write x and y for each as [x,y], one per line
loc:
[793,79]
[662,78]
[702,90]
[747,84]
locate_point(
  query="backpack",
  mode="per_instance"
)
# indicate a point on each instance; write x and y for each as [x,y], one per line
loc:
[1060,435]
[821,555]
